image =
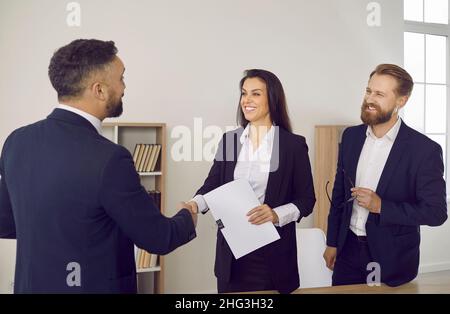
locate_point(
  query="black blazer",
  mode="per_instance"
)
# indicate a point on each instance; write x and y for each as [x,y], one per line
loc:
[412,190]
[70,195]
[290,182]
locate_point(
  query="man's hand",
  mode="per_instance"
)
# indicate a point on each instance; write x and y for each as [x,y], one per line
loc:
[367,199]
[262,214]
[192,207]
[330,256]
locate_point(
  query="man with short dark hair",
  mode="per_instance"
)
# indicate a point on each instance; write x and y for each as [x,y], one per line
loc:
[72,198]
[389,182]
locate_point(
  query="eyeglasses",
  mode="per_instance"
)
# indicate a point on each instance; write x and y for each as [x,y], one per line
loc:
[351,199]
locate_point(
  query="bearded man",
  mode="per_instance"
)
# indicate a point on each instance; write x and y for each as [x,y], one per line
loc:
[389,181]
[72,198]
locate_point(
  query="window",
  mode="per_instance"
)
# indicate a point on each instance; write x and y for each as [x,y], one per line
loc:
[426,11]
[426,58]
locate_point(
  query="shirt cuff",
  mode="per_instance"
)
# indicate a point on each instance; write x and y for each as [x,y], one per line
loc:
[286,214]
[201,204]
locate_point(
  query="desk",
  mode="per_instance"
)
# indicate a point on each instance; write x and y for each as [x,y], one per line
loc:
[437,282]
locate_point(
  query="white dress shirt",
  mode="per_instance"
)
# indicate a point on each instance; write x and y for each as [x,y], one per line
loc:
[93,120]
[374,155]
[254,166]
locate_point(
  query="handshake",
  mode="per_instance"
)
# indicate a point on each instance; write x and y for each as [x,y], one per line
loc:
[193,209]
[257,216]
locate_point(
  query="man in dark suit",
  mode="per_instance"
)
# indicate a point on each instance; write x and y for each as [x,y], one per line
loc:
[389,182]
[72,198]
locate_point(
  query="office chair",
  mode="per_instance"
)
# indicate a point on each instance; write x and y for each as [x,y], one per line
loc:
[311,243]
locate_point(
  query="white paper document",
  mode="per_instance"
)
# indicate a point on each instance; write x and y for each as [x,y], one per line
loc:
[229,205]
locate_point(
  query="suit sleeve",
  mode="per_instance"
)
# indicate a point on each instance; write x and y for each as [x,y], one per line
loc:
[304,196]
[130,206]
[7,224]
[338,196]
[431,206]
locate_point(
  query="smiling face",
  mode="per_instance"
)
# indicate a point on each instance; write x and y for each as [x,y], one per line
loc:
[255,102]
[381,102]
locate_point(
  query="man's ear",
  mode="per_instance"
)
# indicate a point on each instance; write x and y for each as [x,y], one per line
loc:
[401,101]
[99,91]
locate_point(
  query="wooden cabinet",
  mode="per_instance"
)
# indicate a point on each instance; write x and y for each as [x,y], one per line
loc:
[326,141]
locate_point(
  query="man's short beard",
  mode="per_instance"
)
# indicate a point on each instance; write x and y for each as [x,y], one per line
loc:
[114,108]
[379,118]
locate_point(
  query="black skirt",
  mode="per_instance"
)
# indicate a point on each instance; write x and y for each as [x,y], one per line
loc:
[249,273]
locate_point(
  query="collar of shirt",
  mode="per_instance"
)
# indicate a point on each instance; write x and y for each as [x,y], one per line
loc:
[390,135]
[268,138]
[264,151]
[93,120]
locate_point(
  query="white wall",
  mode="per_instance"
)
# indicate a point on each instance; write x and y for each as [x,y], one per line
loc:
[184,60]
[7,265]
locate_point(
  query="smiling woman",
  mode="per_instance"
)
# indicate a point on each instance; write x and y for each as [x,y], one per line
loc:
[275,162]
[262,101]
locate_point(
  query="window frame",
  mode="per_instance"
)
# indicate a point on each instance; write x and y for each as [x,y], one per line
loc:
[437,30]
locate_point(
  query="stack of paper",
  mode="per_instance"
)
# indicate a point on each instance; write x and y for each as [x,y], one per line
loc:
[229,205]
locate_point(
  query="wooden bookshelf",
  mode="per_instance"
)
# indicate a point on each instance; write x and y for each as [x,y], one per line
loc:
[150,280]
[327,139]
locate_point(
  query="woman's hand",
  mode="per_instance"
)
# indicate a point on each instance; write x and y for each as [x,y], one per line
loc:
[262,214]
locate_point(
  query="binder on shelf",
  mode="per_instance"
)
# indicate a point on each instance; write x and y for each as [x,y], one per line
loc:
[136,257]
[146,263]
[155,159]
[136,153]
[144,157]
[139,157]
[147,160]
[149,165]
[140,259]
[153,260]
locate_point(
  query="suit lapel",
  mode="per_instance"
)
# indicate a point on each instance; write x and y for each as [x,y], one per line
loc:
[278,154]
[233,148]
[355,152]
[395,155]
